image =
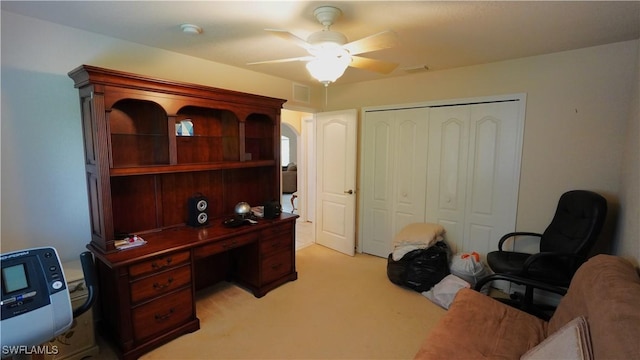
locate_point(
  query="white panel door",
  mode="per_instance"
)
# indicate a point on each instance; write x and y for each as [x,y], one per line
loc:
[394,175]
[377,173]
[336,180]
[447,158]
[474,169]
[494,174]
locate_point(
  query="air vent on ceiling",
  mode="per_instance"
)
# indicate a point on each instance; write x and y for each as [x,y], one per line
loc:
[415,69]
[301,93]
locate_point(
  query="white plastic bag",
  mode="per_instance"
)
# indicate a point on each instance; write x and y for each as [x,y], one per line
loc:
[445,291]
[470,268]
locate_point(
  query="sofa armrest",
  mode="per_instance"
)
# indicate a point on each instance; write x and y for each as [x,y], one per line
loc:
[479,327]
[605,290]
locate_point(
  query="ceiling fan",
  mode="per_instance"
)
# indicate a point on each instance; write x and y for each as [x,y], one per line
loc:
[330,53]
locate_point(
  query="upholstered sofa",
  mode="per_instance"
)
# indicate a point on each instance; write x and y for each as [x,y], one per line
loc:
[290,178]
[605,292]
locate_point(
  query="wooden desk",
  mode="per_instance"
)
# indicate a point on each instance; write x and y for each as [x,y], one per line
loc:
[147,294]
[141,175]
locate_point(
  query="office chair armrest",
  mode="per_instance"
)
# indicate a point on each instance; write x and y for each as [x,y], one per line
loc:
[514,236]
[550,254]
[520,281]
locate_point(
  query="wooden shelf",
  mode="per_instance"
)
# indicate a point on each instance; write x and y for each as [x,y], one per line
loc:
[141,173]
[163,169]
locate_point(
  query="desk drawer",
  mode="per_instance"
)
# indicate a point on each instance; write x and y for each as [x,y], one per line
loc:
[224,245]
[159,263]
[277,229]
[275,244]
[276,266]
[162,314]
[161,283]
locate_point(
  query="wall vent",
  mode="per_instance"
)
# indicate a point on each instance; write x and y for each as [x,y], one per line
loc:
[415,69]
[301,93]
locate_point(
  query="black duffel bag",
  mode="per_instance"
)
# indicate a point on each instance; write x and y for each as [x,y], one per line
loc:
[420,269]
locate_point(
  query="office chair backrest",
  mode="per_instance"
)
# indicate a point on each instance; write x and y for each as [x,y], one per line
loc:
[576,224]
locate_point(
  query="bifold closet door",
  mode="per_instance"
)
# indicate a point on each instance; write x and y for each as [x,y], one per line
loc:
[473,172]
[448,156]
[393,175]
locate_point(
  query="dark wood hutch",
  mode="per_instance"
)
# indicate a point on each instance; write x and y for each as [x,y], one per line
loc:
[140,174]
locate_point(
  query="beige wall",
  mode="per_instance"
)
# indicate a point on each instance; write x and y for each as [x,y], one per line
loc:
[577,119]
[629,222]
[578,114]
[33,45]
[293,118]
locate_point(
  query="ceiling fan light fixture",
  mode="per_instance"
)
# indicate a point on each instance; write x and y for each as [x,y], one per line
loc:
[328,69]
[330,53]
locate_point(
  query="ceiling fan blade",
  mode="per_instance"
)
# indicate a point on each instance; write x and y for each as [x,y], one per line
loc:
[290,37]
[300,58]
[379,41]
[379,66]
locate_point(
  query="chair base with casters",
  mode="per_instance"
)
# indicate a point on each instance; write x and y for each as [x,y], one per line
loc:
[525,301]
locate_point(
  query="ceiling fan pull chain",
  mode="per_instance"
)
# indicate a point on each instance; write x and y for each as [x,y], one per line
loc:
[326,97]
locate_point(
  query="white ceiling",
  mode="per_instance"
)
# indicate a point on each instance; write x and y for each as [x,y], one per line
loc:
[438,34]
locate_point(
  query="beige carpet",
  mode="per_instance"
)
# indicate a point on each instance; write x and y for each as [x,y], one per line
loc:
[340,307]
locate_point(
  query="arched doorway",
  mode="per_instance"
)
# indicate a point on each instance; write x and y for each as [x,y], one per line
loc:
[296,139]
[289,141]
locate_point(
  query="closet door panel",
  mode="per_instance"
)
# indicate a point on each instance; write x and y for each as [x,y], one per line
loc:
[411,168]
[377,184]
[447,171]
[380,164]
[484,166]
[394,174]
[379,232]
[456,165]
[494,174]
[478,239]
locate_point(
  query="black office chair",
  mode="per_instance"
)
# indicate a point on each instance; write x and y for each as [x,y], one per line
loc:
[564,246]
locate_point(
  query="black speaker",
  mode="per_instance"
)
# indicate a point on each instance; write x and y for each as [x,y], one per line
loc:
[272,209]
[198,214]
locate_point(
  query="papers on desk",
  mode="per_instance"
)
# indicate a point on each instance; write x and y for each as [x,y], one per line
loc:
[258,211]
[130,242]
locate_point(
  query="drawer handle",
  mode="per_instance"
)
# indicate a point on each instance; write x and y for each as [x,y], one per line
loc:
[164,317]
[276,266]
[275,244]
[158,286]
[156,266]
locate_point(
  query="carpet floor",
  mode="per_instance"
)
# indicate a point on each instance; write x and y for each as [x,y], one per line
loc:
[340,307]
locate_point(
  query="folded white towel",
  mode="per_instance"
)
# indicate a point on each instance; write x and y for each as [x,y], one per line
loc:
[416,236]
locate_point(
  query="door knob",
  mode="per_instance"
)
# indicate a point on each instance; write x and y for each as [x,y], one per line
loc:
[348,191]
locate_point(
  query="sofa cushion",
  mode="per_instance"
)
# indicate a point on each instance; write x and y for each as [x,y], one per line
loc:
[605,290]
[479,327]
